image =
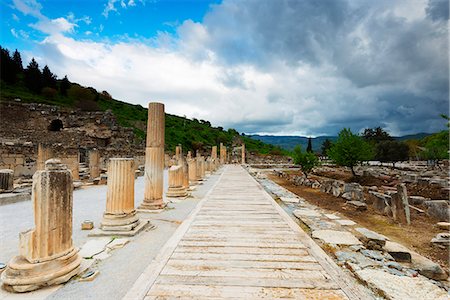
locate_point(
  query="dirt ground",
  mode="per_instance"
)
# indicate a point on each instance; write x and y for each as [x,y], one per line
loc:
[417,236]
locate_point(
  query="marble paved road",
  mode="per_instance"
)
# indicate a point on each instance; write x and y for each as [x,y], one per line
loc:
[238,243]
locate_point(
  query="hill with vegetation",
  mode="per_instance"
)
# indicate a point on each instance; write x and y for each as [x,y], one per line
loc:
[33,85]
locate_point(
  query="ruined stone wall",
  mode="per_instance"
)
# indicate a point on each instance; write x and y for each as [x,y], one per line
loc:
[46,124]
[69,134]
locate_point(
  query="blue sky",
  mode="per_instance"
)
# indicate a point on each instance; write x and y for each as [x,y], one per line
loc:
[285,67]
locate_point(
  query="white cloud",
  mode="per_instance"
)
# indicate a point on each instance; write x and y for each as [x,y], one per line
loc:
[263,67]
[20,33]
[28,7]
[111,6]
[15,17]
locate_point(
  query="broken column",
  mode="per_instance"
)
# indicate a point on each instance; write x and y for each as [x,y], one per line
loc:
[154,158]
[46,253]
[178,153]
[176,187]
[120,216]
[198,166]
[94,164]
[400,205]
[185,166]
[243,154]
[6,180]
[192,169]
[44,153]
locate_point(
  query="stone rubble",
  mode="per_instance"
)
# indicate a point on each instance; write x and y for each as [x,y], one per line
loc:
[373,258]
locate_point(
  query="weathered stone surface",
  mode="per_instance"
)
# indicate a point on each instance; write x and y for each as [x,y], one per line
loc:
[332,216]
[47,255]
[6,180]
[358,205]
[8,198]
[304,212]
[379,201]
[346,222]
[442,239]
[400,287]
[120,214]
[400,205]
[416,200]
[438,209]
[154,158]
[336,237]
[94,247]
[290,200]
[397,251]
[87,225]
[443,225]
[371,239]
[176,179]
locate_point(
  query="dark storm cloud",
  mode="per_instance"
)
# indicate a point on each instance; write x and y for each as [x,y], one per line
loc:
[438,9]
[381,47]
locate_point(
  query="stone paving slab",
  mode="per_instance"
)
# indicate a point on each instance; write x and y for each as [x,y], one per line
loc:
[211,256]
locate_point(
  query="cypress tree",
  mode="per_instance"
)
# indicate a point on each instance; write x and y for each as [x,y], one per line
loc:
[33,77]
[309,148]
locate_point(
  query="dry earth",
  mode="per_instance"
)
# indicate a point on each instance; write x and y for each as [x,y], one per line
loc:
[417,236]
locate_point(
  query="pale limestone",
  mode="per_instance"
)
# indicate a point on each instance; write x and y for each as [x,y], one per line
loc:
[46,255]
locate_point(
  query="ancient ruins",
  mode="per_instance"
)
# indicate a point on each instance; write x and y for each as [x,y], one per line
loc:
[238,237]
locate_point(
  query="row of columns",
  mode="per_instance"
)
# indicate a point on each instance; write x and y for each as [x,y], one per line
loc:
[47,255]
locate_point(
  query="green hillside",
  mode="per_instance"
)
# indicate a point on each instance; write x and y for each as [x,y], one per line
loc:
[31,85]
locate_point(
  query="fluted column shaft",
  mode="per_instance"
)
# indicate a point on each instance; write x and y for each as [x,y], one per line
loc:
[154,157]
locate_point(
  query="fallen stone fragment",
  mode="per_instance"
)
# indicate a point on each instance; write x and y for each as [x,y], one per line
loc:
[371,239]
[336,237]
[438,209]
[443,225]
[400,287]
[118,243]
[346,222]
[94,247]
[442,238]
[394,265]
[398,252]
[332,216]
[358,205]
[377,255]
[87,225]
[304,212]
[89,275]
[289,200]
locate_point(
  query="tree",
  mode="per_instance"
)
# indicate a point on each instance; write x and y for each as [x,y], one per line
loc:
[17,60]
[309,148]
[33,77]
[7,72]
[391,151]
[437,146]
[64,86]
[325,146]
[307,160]
[376,135]
[349,150]
[48,78]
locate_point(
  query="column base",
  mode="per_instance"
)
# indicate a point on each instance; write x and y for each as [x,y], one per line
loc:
[176,192]
[153,206]
[119,222]
[22,276]
[141,226]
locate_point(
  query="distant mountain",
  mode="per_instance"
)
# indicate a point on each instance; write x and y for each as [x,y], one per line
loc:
[289,142]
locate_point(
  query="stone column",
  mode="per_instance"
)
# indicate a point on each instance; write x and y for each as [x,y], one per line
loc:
[120,214]
[400,205]
[176,188]
[185,173]
[189,155]
[6,180]
[154,158]
[222,154]
[178,154]
[44,154]
[243,154]
[214,152]
[46,254]
[192,168]
[94,164]
[198,171]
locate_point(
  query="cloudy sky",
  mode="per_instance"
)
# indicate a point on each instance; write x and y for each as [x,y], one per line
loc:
[291,67]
